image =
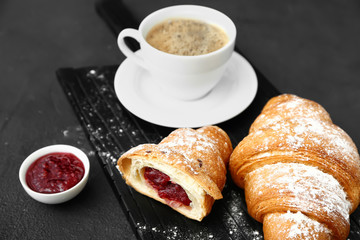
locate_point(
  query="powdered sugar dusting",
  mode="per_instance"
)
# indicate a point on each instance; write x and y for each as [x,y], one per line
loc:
[195,149]
[302,226]
[309,187]
[238,222]
[303,124]
[189,139]
[173,232]
[308,134]
[292,107]
[300,187]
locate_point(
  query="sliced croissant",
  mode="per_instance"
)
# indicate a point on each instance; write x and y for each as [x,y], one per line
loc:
[186,164]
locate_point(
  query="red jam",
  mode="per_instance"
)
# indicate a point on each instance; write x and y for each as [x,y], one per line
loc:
[166,189]
[55,172]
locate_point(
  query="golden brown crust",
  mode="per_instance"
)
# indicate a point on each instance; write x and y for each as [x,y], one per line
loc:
[199,155]
[221,138]
[280,226]
[301,188]
[202,153]
[293,130]
[333,152]
[287,106]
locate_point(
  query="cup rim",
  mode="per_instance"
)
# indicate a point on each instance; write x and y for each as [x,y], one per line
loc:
[51,149]
[229,44]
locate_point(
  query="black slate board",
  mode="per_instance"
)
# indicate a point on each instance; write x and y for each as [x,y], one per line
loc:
[112,130]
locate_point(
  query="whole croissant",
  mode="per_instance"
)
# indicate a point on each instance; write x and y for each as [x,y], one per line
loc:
[300,172]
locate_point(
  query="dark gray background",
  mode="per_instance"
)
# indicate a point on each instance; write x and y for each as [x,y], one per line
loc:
[309,48]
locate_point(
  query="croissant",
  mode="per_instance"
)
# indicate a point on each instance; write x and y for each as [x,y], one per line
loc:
[300,172]
[186,170]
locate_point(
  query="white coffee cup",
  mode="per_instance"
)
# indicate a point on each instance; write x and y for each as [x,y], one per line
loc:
[182,77]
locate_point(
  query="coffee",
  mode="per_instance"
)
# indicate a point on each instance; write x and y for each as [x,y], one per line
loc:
[187,37]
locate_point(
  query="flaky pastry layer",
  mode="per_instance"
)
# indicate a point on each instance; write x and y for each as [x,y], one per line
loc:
[194,159]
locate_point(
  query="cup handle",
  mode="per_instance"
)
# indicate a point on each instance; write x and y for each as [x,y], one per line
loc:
[135,34]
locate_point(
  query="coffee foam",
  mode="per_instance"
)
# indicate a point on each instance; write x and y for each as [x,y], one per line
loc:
[186,37]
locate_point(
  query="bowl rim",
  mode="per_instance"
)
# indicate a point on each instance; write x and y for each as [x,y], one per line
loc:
[52,149]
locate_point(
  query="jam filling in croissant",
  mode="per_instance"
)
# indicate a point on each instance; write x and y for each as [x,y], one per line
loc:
[173,193]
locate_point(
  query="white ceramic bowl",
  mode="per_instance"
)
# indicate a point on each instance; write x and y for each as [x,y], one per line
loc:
[54,198]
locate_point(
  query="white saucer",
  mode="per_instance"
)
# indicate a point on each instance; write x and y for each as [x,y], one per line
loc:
[231,96]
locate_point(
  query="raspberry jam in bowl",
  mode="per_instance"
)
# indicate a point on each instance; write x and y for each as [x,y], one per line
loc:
[55,174]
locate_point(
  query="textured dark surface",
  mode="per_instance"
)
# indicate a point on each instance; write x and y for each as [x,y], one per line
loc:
[310,48]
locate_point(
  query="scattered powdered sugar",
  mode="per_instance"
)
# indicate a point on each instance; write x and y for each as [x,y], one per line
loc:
[109,156]
[185,159]
[302,226]
[302,124]
[175,232]
[295,141]
[290,106]
[190,143]
[305,187]
[170,233]
[189,138]
[306,133]
[236,220]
